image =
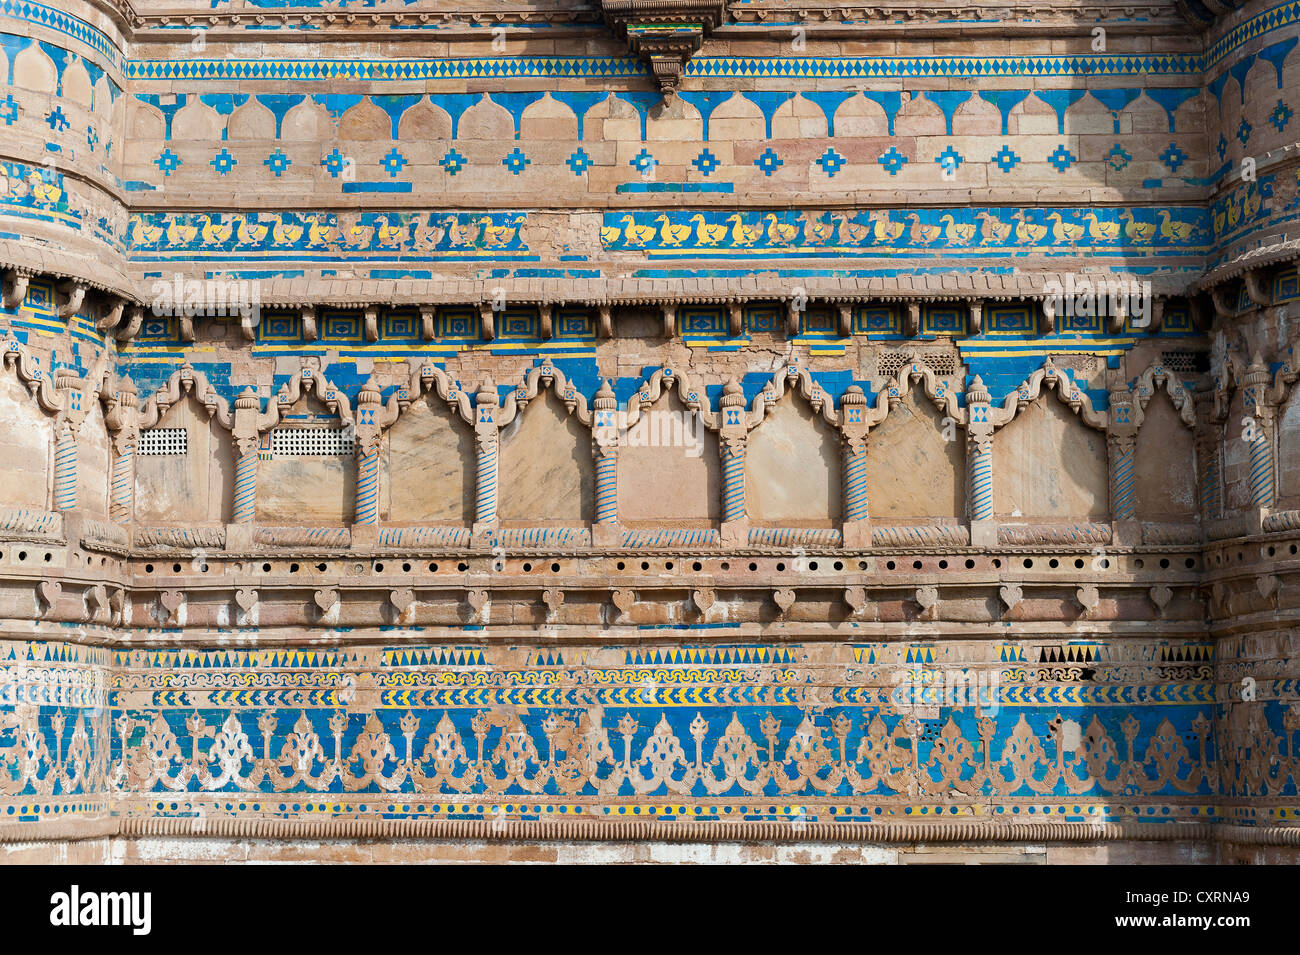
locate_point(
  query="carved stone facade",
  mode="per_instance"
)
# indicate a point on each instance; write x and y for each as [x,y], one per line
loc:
[444,429]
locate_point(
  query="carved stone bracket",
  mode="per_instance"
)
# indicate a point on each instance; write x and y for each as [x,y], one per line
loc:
[665,33]
[927,598]
[326,601]
[98,609]
[47,592]
[172,601]
[478,601]
[246,599]
[553,597]
[623,601]
[1087,598]
[402,600]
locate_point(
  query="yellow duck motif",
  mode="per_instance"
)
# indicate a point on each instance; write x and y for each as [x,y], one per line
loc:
[851,232]
[319,233]
[883,227]
[1251,205]
[499,236]
[923,234]
[706,234]
[1063,231]
[285,233]
[42,191]
[742,234]
[995,231]
[214,233]
[250,233]
[460,234]
[357,235]
[609,234]
[389,234]
[637,234]
[1137,231]
[1102,231]
[144,234]
[957,233]
[820,230]
[779,233]
[180,235]
[670,234]
[428,234]
[1171,229]
[1026,232]
[1234,212]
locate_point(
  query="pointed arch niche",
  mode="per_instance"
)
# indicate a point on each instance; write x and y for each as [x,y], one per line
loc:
[427,466]
[307,489]
[546,471]
[1164,465]
[913,472]
[195,486]
[92,463]
[793,468]
[668,469]
[1049,465]
[1288,453]
[27,464]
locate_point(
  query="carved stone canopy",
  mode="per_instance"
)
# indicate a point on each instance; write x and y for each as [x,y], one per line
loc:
[664,32]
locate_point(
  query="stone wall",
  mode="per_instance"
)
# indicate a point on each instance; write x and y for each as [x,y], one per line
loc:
[421,441]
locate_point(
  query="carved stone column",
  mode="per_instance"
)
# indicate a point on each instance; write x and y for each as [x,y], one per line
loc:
[979,463]
[68,424]
[1208,442]
[122,419]
[604,447]
[366,513]
[1259,436]
[247,405]
[1121,441]
[735,525]
[853,441]
[487,445]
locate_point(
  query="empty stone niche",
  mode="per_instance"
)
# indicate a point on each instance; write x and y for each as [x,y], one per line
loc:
[1236,459]
[1049,465]
[1164,465]
[793,468]
[92,463]
[913,473]
[427,467]
[545,471]
[307,489]
[26,446]
[668,469]
[196,485]
[1288,453]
